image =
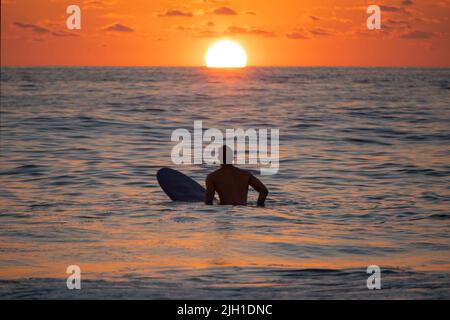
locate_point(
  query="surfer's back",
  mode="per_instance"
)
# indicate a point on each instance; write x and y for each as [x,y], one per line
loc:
[232,184]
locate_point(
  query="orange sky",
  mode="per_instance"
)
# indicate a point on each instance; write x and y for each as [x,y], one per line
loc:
[273,32]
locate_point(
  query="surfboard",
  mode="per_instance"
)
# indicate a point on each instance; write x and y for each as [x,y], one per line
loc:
[179,187]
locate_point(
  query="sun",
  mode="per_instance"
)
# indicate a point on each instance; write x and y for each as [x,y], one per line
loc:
[226,54]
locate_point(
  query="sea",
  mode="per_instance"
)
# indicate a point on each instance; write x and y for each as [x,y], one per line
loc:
[363,180]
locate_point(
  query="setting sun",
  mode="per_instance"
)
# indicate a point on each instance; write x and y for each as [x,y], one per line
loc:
[226,54]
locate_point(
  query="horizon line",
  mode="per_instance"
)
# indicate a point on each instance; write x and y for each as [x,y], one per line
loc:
[205,67]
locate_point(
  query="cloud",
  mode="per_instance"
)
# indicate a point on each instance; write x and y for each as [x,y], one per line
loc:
[233,30]
[64,34]
[33,27]
[117,27]
[50,28]
[303,34]
[224,11]
[297,36]
[392,9]
[175,13]
[314,18]
[396,24]
[250,13]
[417,35]
[184,28]
[98,4]
[215,1]
[207,34]
[407,2]
[319,32]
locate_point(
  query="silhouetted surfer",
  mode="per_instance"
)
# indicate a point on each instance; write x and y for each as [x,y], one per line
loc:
[231,183]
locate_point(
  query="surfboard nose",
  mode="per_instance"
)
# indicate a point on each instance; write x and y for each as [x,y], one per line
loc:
[179,187]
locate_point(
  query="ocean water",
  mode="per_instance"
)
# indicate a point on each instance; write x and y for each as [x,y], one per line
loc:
[364,179]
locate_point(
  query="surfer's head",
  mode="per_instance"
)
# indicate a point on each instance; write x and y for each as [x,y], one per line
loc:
[225,155]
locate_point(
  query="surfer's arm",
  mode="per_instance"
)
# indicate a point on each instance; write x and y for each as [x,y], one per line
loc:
[261,188]
[209,194]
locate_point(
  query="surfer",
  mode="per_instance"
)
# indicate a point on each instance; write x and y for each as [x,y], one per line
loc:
[231,183]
